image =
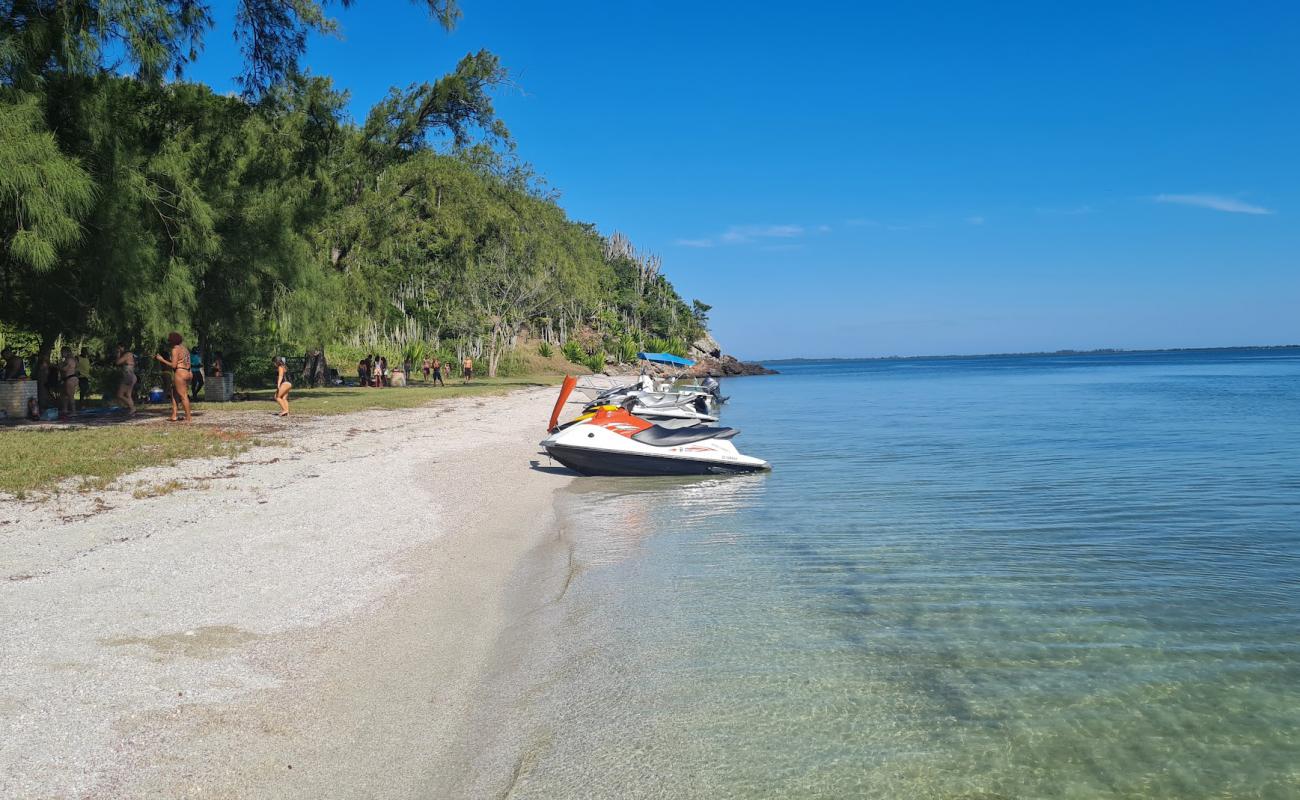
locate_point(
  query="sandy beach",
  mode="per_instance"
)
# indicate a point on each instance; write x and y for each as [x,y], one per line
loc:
[314,623]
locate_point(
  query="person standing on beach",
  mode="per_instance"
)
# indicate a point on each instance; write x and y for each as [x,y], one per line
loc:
[83,375]
[126,386]
[282,385]
[469,369]
[13,365]
[424,367]
[196,374]
[179,364]
[437,372]
[68,366]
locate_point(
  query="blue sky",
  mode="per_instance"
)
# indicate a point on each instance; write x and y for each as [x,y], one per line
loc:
[844,179]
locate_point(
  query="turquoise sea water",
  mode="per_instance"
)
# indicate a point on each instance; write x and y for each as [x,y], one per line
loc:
[1038,577]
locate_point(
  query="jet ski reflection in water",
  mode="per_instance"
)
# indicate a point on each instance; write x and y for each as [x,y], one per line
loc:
[612,441]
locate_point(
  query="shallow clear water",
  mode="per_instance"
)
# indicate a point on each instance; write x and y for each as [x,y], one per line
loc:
[982,578]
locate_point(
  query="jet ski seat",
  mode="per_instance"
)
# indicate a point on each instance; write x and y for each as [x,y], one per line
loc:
[659,436]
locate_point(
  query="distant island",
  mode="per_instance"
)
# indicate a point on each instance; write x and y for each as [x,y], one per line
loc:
[1105,351]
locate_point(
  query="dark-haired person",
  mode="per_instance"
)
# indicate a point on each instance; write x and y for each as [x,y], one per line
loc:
[83,374]
[196,374]
[125,359]
[437,372]
[469,370]
[13,365]
[179,364]
[282,385]
[218,364]
[68,366]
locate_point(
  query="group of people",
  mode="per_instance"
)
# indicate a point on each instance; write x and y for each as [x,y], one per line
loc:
[373,371]
[67,381]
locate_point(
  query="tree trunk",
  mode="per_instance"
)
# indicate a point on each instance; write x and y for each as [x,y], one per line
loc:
[321,376]
[494,351]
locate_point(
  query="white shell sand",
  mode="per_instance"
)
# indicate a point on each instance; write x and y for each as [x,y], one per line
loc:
[314,626]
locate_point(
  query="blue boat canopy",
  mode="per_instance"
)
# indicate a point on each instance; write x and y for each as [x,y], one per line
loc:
[666,358]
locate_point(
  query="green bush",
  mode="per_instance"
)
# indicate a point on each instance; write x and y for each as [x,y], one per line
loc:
[513,364]
[545,350]
[656,345]
[627,349]
[414,352]
[596,361]
[573,351]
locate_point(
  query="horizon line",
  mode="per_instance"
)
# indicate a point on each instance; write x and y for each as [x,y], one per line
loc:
[1065,352]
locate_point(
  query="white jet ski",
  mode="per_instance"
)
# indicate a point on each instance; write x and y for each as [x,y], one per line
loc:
[613,441]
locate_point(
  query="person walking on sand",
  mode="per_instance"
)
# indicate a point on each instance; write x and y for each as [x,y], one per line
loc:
[469,369]
[282,385]
[68,365]
[126,387]
[179,364]
[437,372]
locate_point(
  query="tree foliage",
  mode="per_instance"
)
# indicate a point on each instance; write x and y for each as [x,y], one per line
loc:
[130,206]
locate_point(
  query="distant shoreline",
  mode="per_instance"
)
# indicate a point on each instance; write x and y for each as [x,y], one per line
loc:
[1108,351]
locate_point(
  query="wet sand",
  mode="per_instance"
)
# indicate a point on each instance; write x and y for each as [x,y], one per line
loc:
[318,624]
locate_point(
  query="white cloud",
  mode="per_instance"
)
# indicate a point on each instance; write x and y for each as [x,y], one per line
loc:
[861,222]
[694,242]
[1213,201]
[739,234]
[823,229]
[976,220]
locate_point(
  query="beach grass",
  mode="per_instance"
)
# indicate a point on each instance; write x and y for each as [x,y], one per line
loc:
[42,460]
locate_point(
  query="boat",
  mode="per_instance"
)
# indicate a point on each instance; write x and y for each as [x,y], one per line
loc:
[613,441]
[676,407]
[663,400]
[593,386]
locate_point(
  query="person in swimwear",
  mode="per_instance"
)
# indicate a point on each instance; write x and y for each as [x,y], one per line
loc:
[126,387]
[469,369]
[282,385]
[179,364]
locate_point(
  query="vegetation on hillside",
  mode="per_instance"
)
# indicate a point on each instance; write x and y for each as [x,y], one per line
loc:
[131,205]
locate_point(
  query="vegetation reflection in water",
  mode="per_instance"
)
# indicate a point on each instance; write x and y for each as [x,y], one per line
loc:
[1050,583]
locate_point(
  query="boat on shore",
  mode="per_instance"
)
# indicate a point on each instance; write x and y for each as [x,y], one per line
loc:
[614,441]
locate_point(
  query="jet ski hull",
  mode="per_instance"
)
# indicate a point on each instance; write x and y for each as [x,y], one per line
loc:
[588,461]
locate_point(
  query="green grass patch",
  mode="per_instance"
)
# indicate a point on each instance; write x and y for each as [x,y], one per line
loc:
[344,399]
[40,460]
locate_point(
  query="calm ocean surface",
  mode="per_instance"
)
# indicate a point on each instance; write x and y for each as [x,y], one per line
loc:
[1037,577]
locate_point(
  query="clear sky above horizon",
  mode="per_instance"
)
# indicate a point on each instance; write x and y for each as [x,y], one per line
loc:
[858,179]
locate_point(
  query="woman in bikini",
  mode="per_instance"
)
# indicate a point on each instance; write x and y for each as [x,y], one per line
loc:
[126,388]
[282,385]
[68,373]
[180,367]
